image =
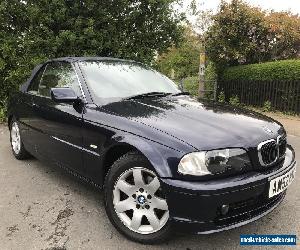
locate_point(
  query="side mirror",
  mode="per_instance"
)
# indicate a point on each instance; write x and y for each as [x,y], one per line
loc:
[65,95]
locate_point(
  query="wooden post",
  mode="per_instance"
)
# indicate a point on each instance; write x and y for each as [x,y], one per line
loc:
[201,90]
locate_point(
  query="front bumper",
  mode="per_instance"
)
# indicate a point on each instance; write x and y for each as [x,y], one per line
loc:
[195,207]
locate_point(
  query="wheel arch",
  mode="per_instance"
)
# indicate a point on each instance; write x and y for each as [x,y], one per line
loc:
[150,150]
[114,153]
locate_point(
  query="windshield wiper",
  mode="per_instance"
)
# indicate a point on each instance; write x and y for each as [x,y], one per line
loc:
[149,94]
[180,93]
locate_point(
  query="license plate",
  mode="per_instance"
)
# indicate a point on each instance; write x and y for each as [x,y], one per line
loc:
[279,184]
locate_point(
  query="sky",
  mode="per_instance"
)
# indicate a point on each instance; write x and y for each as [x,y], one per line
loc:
[277,5]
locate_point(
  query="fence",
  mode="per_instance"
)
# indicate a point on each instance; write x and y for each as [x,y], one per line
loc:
[191,85]
[283,95]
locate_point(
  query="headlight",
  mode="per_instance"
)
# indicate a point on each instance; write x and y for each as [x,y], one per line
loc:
[214,162]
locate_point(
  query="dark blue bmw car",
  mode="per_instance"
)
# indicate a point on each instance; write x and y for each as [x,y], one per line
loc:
[165,160]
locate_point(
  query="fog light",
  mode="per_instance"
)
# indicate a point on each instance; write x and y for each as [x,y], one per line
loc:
[224,209]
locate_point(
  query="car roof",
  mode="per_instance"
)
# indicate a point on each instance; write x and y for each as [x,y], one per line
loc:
[91,58]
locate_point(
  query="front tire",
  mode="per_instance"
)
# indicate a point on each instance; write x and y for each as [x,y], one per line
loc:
[16,142]
[134,200]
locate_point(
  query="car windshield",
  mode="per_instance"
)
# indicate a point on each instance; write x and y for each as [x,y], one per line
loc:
[116,80]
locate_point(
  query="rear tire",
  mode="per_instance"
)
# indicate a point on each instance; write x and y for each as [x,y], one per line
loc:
[16,142]
[145,216]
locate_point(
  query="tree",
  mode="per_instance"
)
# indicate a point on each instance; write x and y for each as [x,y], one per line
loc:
[33,31]
[241,34]
[182,60]
[238,34]
[284,35]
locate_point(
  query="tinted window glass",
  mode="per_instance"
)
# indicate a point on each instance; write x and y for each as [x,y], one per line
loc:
[34,85]
[120,79]
[58,75]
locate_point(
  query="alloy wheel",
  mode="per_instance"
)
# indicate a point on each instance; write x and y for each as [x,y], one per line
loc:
[139,202]
[15,138]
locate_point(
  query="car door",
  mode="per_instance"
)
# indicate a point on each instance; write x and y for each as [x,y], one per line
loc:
[25,110]
[59,124]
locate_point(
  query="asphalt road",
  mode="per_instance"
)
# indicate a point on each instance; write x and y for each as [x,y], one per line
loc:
[42,207]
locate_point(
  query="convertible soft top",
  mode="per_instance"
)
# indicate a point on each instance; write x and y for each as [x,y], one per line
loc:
[24,86]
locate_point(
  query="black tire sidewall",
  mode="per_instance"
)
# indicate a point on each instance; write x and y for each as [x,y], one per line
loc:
[118,168]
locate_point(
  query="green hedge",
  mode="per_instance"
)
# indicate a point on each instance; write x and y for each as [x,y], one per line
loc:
[191,84]
[279,70]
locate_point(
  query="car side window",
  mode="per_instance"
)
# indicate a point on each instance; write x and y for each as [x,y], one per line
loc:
[58,75]
[34,85]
